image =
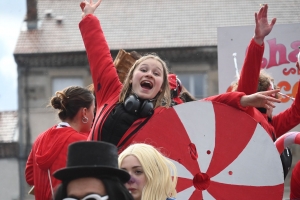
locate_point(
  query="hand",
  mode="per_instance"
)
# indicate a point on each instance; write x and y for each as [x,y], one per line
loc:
[89,7]
[262,26]
[260,99]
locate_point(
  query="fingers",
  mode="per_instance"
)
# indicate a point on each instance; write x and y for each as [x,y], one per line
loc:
[270,92]
[273,22]
[265,11]
[270,103]
[82,5]
[98,3]
[272,99]
[256,18]
[259,15]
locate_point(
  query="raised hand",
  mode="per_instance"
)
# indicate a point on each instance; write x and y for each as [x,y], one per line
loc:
[89,7]
[262,26]
[260,99]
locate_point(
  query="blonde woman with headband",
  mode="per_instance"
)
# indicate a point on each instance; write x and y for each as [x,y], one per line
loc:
[153,176]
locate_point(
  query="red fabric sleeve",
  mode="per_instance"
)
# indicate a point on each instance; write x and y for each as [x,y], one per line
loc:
[288,119]
[251,68]
[104,74]
[29,175]
[295,183]
[232,99]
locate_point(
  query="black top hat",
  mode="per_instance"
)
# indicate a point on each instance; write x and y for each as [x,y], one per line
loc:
[91,159]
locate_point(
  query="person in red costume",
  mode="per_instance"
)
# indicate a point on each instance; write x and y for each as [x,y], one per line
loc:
[122,109]
[251,74]
[295,183]
[49,151]
[275,125]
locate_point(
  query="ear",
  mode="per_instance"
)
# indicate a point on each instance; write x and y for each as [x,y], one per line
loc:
[84,112]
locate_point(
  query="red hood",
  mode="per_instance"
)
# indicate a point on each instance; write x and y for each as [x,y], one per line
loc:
[173,85]
[50,145]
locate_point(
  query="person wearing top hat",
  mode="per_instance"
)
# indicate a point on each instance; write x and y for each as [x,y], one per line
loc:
[92,173]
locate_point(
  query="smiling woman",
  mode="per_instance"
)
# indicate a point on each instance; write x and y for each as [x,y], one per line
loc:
[122,109]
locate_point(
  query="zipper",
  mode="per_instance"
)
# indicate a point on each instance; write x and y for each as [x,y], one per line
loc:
[97,121]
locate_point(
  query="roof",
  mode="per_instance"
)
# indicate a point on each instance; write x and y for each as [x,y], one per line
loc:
[133,24]
[8,126]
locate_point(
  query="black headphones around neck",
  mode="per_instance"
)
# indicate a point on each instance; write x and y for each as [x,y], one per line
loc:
[133,105]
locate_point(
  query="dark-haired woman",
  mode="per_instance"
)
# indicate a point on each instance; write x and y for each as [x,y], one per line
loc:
[49,152]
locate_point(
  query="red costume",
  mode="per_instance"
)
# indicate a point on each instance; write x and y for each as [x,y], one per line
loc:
[295,182]
[284,121]
[105,78]
[107,84]
[49,152]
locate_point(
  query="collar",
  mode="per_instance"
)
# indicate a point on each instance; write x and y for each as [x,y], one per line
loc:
[63,125]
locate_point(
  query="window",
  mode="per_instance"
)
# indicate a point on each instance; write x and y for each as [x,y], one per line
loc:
[63,82]
[195,83]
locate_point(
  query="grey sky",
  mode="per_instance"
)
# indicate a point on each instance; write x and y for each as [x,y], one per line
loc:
[12,14]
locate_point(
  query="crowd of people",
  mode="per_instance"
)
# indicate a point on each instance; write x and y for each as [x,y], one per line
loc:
[84,156]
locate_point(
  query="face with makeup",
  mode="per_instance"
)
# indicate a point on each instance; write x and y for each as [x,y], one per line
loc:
[138,178]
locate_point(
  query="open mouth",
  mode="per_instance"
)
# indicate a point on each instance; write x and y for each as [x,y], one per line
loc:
[146,85]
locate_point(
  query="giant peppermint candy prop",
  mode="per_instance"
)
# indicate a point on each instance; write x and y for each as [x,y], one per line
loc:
[219,152]
[286,140]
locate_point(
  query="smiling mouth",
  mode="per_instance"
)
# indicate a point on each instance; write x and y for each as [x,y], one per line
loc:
[146,85]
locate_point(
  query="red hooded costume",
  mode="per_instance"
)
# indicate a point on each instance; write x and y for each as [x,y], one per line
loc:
[49,152]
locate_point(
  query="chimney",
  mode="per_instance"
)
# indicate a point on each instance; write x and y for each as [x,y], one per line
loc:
[31,16]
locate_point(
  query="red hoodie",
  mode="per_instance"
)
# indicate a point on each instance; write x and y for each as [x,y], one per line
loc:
[49,151]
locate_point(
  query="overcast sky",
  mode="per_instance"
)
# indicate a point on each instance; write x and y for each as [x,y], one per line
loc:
[12,13]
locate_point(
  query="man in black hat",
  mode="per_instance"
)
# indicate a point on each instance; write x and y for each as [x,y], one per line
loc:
[92,173]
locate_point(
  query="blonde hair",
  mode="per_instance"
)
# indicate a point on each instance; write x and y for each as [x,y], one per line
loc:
[163,98]
[158,170]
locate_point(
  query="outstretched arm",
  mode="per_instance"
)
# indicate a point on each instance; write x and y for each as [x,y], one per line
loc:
[104,74]
[289,118]
[241,101]
[251,68]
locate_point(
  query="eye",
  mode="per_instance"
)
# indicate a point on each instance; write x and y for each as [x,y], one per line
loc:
[143,70]
[156,73]
[138,172]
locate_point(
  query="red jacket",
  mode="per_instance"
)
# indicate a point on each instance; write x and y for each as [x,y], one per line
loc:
[284,121]
[105,78]
[295,182]
[49,151]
